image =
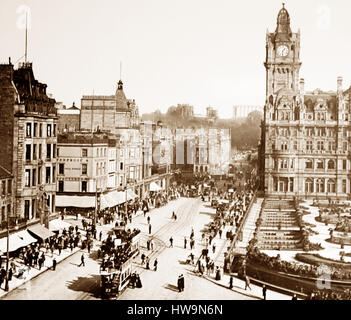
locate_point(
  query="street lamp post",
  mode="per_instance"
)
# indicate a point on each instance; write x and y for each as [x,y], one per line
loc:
[7,256]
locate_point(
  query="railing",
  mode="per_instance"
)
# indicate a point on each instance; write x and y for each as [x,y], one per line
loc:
[240,229]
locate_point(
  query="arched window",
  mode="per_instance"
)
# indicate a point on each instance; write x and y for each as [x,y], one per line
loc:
[331,186]
[320,185]
[309,186]
[331,165]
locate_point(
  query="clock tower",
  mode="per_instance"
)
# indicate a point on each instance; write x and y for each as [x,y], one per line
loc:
[282,56]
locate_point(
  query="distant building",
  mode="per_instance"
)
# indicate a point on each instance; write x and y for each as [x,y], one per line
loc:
[68,119]
[28,126]
[211,113]
[108,113]
[243,111]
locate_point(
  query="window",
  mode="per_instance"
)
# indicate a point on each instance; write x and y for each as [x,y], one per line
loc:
[320,164]
[34,177]
[131,172]
[4,187]
[331,165]
[48,151]
[344,164]
[28,152]
[27,178]
[3,216]
[60,186]
[344,186]
[40,153]
[28,130]
[9,186]
[84,168]
[121,166]
[309,164]
[35,212]
[57,152]
[40,130]
[97,169]
[84,186]
[26,209]
[344,146]
[320,185]
[320,145]
[295,145]
[34,152]
[53,173]
[54,150]
[48,174]
[61,168]
[84,153]
[49,130]
[309,145]
[35,129]
[309,132]
[331,186]
[54,130]
[39,175]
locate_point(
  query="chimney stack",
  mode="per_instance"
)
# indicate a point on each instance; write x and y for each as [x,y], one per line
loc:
[302,86]
[339,84]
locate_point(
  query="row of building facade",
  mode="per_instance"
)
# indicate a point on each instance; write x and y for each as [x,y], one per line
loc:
[51,155]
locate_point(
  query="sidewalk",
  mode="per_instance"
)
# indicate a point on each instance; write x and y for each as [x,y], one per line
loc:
[33,272]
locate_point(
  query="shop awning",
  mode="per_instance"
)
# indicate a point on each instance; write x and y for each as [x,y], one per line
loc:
[17,240]
[75,201]
[58,224]
[155,187]
[131,195]
[40,231]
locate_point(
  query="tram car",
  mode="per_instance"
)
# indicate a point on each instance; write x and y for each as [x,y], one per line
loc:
[112,281]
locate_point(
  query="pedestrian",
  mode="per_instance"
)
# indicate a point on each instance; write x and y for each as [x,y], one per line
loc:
[264,292]
[220,233]
[231,282]
[142,258]
[148,219]
[185,242]
[147,263]
[54,263]
[152,245]
[89,246]
[218,273]
[71,245]
[247,282]
[100,235]
[192,244]
[155,264]
[213,248]
[179,283]
[76,228]
[148,244]
[182,282]
[82,260]
[149,228]
[175,217]
[171,242]
[294,297]
[59,248]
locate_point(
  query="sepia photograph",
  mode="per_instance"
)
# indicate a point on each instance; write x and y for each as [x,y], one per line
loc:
[195,152]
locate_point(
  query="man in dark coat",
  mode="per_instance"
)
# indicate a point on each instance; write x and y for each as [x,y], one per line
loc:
[155,264]
[264,292]
[82,261]
[149,228]
[185,242]
[54,263]
[182,282]
[171,242]
[179,283]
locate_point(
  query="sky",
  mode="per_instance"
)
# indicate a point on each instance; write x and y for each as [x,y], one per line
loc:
[200,52]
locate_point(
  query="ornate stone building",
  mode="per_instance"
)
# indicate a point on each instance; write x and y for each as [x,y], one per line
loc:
[28,127]
[305,135]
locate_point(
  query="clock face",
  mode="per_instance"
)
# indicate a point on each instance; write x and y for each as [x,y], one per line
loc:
[283,51]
